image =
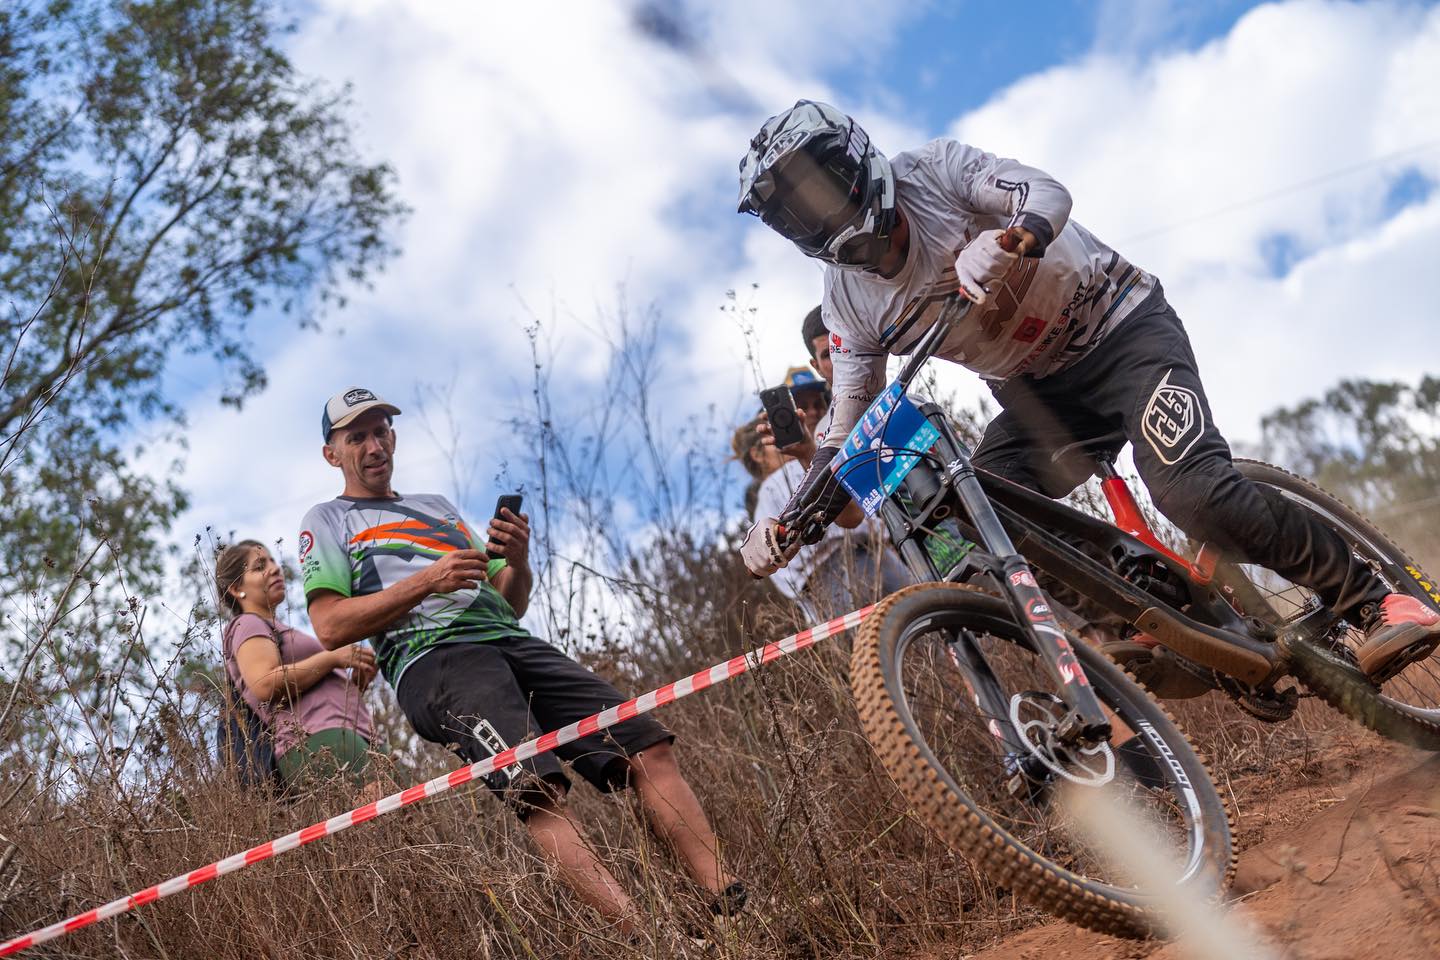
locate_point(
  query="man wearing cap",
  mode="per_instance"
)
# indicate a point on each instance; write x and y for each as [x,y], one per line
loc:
[406,572]
[848,567]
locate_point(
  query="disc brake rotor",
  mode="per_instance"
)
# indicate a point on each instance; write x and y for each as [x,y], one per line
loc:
[1035,715]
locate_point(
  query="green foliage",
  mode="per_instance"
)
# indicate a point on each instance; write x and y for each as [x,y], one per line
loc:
[165,177]
[1375,444]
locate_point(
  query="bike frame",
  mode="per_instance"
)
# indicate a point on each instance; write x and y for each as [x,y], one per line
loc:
[1015,526]
[1211,632]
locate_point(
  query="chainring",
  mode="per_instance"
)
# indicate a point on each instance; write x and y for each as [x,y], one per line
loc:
[1269,705]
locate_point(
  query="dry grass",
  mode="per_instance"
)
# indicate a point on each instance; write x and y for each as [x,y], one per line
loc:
[838,865]
[806,816]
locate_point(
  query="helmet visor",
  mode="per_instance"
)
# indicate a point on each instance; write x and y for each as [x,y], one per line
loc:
[811,201]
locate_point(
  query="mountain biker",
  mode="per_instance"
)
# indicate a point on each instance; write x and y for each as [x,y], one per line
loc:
[1076,343]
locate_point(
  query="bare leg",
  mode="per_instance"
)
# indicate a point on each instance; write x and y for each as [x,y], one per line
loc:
[674,813]
[561,843]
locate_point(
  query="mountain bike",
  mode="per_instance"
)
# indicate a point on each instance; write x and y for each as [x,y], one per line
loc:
[982,707]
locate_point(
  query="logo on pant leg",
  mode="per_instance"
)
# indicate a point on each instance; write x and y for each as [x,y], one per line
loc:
[1173,420]
[490,738]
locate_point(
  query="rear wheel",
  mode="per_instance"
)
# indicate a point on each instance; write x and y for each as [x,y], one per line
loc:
[1405,707]
[964,716]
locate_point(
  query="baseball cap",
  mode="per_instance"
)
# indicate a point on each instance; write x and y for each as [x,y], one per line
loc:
[803,378]
[348,404]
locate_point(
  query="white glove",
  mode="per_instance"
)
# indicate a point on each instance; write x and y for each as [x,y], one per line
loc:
[982,265]
[761,549]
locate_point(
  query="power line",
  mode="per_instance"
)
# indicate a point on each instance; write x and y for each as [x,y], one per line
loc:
[1283,191]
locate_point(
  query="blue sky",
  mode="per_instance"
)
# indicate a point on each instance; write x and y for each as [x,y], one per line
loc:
[948,58]
[1273,165]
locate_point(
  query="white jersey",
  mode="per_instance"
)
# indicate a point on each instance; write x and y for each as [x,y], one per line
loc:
[1051,311]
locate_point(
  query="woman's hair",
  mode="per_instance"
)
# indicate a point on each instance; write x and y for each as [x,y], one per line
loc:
[745,444]
[230,564]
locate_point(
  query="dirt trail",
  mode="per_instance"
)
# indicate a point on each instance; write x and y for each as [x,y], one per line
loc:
[1359,877]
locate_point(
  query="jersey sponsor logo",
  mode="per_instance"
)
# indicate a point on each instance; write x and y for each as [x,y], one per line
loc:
[1029,330]
[1039,349]
[353,397]
[1173,420]
[837,346]
[307,543]
[1008,298]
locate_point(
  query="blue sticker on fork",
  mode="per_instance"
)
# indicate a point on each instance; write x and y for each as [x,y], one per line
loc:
[884,446]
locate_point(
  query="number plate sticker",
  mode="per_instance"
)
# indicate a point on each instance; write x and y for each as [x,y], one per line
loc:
[884,446]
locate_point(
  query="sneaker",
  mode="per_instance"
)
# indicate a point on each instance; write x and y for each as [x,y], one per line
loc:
[1398,631]
[730,901]
[721,916]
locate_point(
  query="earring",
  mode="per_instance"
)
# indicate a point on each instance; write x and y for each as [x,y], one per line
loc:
[242,594]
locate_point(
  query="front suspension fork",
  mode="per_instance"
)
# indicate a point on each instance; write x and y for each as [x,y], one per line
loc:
[1086,722]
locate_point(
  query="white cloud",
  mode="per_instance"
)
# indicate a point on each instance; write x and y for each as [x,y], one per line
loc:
[1165,156]
[551,156]
[551,153]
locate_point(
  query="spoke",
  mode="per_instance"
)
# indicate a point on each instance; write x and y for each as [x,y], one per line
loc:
[957,732]
[1418,685]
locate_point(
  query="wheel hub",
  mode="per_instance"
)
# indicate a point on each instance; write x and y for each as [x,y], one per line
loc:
[1037,717]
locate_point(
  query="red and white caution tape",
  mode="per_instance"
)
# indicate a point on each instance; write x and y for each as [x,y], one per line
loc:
[530,748]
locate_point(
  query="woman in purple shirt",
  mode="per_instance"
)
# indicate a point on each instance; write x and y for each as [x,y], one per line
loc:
[309,698]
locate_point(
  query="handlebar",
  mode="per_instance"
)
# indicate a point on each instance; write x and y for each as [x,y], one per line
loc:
[954,309]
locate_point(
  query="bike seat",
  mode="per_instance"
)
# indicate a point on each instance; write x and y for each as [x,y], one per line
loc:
[1103,447]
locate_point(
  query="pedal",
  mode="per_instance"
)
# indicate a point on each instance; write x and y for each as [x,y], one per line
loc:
[1417,651]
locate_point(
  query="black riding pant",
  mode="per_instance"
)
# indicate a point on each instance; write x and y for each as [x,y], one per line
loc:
[1142,381]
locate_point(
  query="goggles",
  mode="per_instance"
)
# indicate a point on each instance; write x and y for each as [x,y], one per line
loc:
[809,201]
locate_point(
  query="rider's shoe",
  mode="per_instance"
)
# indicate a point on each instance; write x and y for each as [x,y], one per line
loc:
[1398,630]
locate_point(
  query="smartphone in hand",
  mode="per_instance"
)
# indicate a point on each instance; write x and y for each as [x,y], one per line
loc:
[507,501]
[785,425]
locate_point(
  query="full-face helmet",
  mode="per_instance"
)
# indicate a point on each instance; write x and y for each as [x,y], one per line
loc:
[815,178]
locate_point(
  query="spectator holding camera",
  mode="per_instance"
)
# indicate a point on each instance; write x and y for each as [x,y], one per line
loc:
[851,565]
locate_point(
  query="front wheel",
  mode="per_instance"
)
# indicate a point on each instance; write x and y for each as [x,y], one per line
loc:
[964,715]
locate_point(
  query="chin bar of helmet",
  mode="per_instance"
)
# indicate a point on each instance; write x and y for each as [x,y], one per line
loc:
[816,502]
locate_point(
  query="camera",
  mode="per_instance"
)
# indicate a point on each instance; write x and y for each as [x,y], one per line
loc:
[785,423]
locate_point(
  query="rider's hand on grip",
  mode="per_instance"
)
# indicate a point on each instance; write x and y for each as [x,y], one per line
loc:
[983,264]
[767,548]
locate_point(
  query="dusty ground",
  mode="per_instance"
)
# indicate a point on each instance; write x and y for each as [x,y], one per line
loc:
[1337,862]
